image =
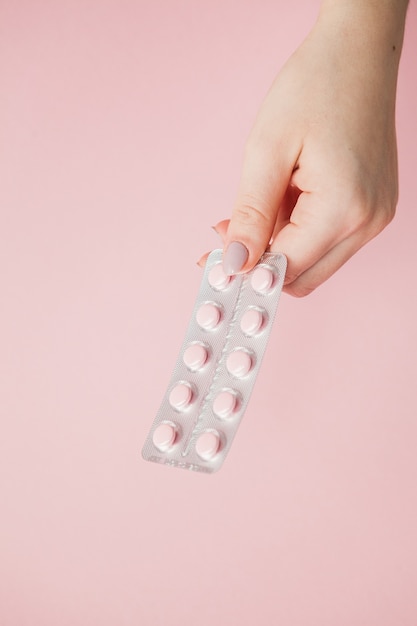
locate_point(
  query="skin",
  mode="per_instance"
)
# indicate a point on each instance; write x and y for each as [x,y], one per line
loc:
[319,178]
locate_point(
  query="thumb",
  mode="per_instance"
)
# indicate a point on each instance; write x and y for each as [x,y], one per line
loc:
[265,178]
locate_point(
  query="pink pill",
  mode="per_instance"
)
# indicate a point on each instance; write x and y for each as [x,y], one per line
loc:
[195,356]
[208,316]
[217,278]
[262,279]
[251,322]
[225,404]
[180,396]
[208,445]
[164,436]
[239,363]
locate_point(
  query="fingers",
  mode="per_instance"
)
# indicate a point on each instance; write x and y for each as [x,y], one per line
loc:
[325,267]
[313,228]
[317,231]
[317,236]
[265,179]
[322,233]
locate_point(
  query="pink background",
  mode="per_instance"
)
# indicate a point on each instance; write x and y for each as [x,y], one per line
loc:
[122,128]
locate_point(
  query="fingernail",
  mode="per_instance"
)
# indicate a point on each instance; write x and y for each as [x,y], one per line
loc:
[235,258]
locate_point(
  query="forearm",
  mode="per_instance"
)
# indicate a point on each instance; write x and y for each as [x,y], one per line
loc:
[364,39]
[382,7]
[378,24]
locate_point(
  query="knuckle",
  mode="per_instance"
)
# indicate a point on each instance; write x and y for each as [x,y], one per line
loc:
[250,211]
[390,208]
[384,215]
[370,215]
[378,217]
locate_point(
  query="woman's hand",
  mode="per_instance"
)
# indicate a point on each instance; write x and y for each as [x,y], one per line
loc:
[319,178]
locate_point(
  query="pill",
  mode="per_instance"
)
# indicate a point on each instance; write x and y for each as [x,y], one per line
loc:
[195,356]
[262,279]
[208,445]
[239,363]
[164,436]
[208,316]
[225,404]
[217,278]
[251,322]
[180,396]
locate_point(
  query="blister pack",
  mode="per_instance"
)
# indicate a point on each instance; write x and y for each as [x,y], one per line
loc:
[217,365]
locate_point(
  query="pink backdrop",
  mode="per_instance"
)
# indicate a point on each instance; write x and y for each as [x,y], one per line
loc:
[122,127]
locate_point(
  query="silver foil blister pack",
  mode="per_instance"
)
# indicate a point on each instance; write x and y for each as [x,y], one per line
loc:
[217,365]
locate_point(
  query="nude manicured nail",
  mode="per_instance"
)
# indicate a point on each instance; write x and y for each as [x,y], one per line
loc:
[235,258]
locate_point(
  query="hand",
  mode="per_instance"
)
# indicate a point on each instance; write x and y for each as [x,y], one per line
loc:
[319,178]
